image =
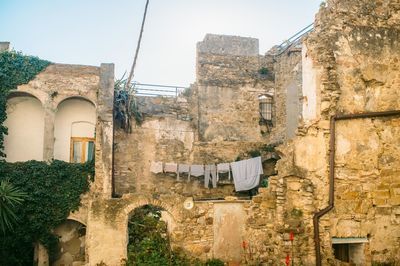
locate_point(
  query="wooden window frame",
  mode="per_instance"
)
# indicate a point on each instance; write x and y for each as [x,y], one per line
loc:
[84,140]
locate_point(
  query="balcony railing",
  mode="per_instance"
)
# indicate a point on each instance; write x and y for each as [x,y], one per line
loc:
[155,90]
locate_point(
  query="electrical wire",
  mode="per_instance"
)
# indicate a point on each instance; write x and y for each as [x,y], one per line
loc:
[137,48]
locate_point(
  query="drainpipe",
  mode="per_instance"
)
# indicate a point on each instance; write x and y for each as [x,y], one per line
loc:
[319,214]
[113,193]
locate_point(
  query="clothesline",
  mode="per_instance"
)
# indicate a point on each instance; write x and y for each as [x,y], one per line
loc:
[172,130]
[246,173]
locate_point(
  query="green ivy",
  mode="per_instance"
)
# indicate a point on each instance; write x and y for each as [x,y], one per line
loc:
[53,191]
[15,69]
[149,243]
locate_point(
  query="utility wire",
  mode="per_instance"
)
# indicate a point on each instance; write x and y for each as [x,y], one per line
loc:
[137,48]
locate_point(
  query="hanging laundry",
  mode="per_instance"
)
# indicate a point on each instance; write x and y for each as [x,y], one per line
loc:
[214,175]
[223,168]
[183,168]
[156,167]
[246,173]
[210,174]
[170,168]
[197,170]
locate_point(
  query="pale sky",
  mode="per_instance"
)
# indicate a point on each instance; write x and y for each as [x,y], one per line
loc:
[90,32]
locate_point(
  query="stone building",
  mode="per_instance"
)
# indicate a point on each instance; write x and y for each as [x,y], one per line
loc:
[328,140]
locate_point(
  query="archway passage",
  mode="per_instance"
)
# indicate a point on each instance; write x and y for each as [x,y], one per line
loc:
[71,246]
[74,130]
[25,123]
[148,237]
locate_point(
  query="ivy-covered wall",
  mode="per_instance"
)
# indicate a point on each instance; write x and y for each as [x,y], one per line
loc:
[53,189]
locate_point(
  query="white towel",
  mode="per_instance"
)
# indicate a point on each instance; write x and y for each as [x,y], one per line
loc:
[170,168]
[246,173]
[197,170]
[183,168]
[223,168]
[156,167]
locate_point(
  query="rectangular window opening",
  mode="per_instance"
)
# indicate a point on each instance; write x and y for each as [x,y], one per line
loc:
[351,250]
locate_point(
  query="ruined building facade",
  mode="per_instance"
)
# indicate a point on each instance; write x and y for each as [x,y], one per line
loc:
[335,117]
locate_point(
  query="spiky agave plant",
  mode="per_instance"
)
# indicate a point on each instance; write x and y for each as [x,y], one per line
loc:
[10,197]
[125,105]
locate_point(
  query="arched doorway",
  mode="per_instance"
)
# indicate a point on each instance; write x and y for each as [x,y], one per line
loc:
[148,237]
[71,247]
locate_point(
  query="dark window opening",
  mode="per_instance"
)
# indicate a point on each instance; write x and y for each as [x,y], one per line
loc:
[266,109]
[341,252]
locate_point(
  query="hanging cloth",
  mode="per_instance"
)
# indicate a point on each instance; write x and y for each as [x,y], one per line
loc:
[210,174]
[197,170]
[156,167]
[183,168]
[246,173]
[223,168]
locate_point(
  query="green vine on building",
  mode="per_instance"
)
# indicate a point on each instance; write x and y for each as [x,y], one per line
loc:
[52,190]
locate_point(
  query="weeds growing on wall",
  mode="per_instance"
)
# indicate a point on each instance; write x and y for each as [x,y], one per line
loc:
[15,69]
[149,242]
[125,106]
[52,192]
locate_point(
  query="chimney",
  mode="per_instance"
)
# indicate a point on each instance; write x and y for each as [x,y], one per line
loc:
[4,46]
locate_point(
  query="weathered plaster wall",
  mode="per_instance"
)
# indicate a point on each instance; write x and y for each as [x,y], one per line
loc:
[25,123]
[288,93]
[310,91]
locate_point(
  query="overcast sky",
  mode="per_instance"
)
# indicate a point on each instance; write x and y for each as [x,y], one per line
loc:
[90,32]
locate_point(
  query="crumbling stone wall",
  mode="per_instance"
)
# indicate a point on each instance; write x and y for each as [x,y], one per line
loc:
[354,51]
[348,64]
[227,88]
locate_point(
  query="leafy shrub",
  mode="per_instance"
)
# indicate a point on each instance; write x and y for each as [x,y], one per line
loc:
[53,191]
[149,243]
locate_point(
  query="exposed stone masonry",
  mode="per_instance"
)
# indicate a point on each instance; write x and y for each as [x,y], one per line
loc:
[349,64]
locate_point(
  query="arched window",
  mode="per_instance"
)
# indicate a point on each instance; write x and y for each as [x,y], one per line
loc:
[74,130]
[266,104]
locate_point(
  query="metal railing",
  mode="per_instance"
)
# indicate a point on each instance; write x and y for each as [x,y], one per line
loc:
[156,90]
[280,49]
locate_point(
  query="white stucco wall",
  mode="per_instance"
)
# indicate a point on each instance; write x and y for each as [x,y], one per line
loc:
[25,123]
[74,118]
[310,78]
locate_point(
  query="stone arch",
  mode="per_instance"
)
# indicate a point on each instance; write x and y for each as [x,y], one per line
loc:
[75,218]
[75,117]
[173,210]
[25,123]
[17,93]
[66,98]
[72,243]
[169,214]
